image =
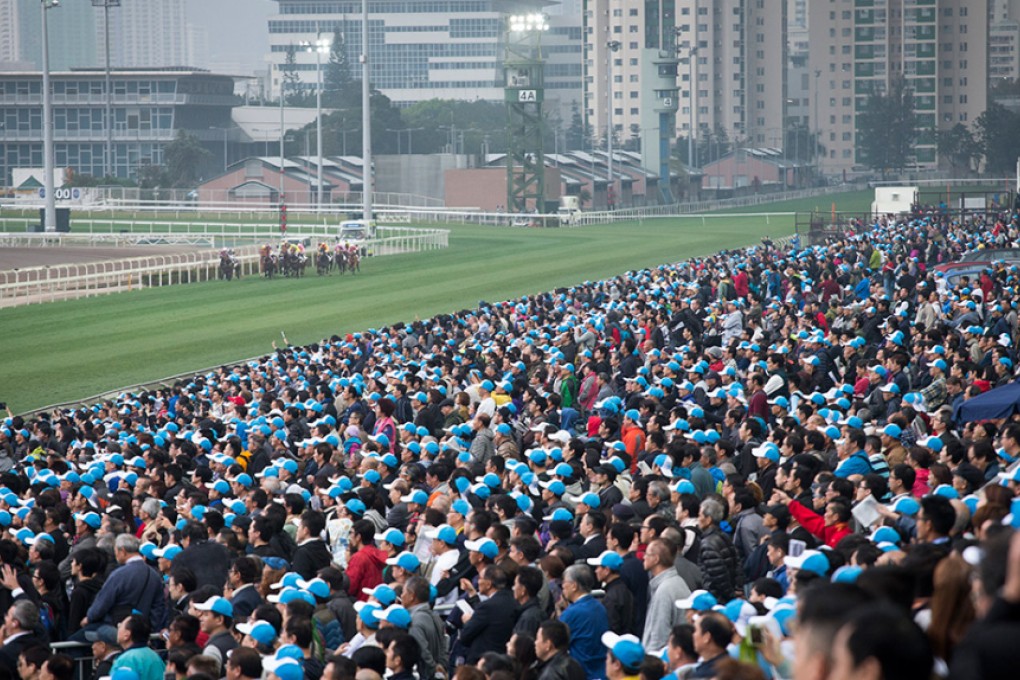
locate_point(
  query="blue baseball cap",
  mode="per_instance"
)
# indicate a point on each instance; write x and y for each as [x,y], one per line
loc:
[560,514]
[392,536]
[885,535]
[444,533]
[417,496]
[406,561]
[809,560]
[626,649]
[315,586]
[261,632]
[90,519]
[699,601]
[608,559]
[217,605]
[397,615]
[485,546]
[367,613]
[355,506]
[590,499]
[461,507]
[382,593]
[892,430]
[168,552]
[284,669]
[906,506]
[555,487]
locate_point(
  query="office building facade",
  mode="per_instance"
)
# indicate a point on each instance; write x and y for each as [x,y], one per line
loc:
[149,108]
[426,49]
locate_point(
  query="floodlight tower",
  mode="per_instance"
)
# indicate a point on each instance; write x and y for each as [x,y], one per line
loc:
[524,93]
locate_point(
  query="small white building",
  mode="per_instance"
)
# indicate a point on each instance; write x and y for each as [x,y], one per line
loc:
[893,200]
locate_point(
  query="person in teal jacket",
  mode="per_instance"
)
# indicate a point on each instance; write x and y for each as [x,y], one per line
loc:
[133,636]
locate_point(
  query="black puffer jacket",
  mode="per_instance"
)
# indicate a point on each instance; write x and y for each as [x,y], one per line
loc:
[719,565]
[560,667]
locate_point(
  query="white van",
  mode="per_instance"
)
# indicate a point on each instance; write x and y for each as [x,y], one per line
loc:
[357,232]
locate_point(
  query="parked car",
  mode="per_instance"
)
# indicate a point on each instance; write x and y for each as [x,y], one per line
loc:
[973,262]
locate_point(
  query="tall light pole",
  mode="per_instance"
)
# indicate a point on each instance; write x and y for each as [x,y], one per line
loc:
[366,123]
[613,46]
[818,129]
[106,5]
[320,47]
[691,67]
[50,211]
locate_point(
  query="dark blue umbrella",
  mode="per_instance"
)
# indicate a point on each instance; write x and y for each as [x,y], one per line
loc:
[1002,402]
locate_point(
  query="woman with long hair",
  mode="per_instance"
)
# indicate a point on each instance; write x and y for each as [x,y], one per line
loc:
[952,610]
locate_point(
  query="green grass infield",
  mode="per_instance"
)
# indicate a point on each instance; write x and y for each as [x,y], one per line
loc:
[64,351]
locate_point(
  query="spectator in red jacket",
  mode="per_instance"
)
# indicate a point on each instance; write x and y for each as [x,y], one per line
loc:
[365,567]
[829,528]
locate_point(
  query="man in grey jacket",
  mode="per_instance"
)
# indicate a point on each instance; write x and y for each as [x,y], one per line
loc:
[426,628]
[85,527]
[664,589]
[482,446]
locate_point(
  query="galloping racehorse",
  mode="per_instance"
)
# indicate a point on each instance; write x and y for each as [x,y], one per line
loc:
[293,259]
[323,260]
[230,266]
[268,261]
[354,259]
[340,258]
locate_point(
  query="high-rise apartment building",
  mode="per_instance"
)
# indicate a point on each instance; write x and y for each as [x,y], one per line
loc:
[630,63]
[9,44]
[143,33]
[420,50]
[71,29]
[1003,41]
[858,47]
[740,53]
[147,33]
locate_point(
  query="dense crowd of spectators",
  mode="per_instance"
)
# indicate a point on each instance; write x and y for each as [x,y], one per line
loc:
[749,465]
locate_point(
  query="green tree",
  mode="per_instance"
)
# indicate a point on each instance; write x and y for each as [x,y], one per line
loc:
[800,143]
[578,134]
[184,159]
[445,121]
[150,175]
[712,145]
[999,133]
[887,129]
[958,148]
[633,142]
[339,89]
[385,117]
[290,88]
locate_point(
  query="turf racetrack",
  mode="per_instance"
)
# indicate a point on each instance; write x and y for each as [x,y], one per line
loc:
[65,351]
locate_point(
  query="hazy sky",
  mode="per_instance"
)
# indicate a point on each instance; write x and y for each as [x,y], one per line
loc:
[236,32]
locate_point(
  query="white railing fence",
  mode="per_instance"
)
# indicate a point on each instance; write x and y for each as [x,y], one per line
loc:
[180,216]
[71,281]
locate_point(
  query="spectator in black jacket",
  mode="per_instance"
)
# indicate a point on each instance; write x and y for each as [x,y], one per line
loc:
[87,567]
[207,560]
[717,557]
[243,577]
[551,645]
[490,625]
[311,555]
[527,586]
[618,600]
